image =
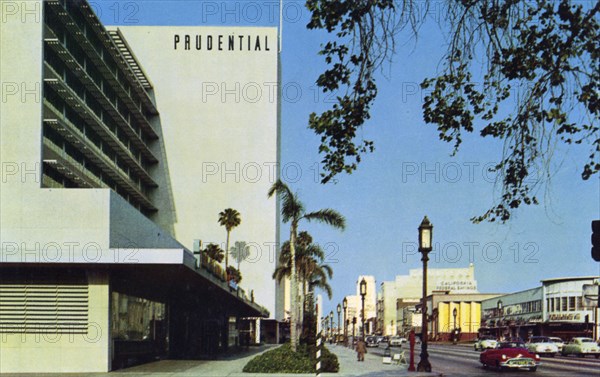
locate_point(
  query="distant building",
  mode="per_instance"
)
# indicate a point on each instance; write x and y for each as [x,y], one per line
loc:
[355,305]
[453,280]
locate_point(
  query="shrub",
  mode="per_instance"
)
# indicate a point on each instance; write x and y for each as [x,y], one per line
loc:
[284,360]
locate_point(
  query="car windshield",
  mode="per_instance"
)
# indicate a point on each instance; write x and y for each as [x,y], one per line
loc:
[587,340]
[510,345]
[540,340]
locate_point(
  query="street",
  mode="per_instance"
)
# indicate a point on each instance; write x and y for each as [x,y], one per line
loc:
[460,360]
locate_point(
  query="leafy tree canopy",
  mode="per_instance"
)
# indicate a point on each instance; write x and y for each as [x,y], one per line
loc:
[549,47]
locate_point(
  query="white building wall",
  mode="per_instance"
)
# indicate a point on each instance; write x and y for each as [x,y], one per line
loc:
[219,115]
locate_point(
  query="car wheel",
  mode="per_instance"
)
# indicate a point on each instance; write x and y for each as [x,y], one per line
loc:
[499,367]
[552,355]
[580,355]
[533,369]
[597,356]
[475,347]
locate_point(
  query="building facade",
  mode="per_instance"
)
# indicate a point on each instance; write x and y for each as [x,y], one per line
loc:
[92,271]
[460,312]
[454,280]
[556,308]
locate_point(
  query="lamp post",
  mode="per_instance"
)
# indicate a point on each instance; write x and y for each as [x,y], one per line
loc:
[345,305]
[331,328]
[454,313]
[363,293]
[425,246]
[499,306]
[353,328]
[339,311]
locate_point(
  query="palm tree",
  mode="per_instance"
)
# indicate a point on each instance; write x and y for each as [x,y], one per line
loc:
[312,273]
[292,211]
[215,252]
[229,218]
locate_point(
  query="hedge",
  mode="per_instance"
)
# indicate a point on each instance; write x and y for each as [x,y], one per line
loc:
[284,360]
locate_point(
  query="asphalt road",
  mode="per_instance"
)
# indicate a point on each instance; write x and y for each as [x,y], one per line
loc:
[459,360]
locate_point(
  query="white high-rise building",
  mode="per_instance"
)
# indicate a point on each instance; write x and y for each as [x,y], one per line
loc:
[119,148]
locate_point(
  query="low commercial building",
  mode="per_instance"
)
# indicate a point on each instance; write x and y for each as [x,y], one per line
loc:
[450,312]
[556,308]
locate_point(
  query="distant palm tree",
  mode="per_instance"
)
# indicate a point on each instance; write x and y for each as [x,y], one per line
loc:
[215,252]
[229,218]
[292,211]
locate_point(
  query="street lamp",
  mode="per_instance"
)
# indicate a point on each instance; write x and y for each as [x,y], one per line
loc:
[454,313]
[425,237]
[345,305]
[331,328]
[353,328]
[363,293]
[339,310]
[499,305]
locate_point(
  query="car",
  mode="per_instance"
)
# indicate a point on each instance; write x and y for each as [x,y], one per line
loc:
[581,347]
[485,342]
[371,341]
[510,355]
[396,341]
[379,338]
[558,341]
[542,345]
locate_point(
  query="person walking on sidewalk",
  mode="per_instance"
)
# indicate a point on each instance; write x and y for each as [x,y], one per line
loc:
[361,349]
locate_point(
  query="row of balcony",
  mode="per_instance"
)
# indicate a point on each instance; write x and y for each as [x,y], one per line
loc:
[77,172]
[97,124]
[100,60]
[74,136]
[90,85]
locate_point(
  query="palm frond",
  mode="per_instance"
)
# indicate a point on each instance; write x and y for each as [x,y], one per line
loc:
[291,207]
[328,216]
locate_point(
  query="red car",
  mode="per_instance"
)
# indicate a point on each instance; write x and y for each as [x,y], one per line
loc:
[510,355]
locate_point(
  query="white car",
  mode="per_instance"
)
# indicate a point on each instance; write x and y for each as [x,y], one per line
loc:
[558,341]
[485,342]
[542,345]
[395,341]
[581,347]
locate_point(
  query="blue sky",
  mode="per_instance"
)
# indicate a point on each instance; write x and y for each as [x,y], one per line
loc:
[411,173]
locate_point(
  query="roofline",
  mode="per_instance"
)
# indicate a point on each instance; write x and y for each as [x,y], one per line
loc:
[570,278]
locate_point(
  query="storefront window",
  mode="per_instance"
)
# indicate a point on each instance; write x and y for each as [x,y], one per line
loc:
[572,304]
[135,318]
[564,304]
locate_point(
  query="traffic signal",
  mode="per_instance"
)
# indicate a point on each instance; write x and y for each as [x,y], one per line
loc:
[596,240]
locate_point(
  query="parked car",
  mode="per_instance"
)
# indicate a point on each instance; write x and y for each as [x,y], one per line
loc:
[558,341]
[581,347]
[485,342]
[372,341]
[542,345]
[510,355]
[395,341]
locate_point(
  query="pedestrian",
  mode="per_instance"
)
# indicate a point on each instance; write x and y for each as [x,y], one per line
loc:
[361,349]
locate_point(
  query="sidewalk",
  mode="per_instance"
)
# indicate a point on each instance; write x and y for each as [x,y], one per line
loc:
[232,366]
[371,367]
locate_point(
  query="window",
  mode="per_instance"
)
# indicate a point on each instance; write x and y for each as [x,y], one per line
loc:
[564,304]
[572,304]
